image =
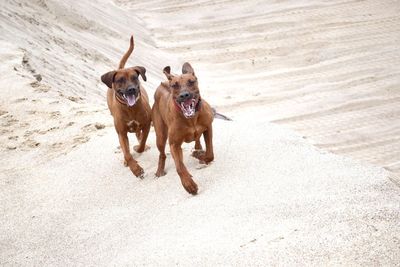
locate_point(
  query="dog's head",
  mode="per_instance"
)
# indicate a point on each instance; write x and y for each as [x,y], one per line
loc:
[126,83]
[185,90]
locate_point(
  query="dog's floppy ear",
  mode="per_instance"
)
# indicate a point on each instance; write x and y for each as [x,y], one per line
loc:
[187,68]
[167,72]
[108,78]
[142,71]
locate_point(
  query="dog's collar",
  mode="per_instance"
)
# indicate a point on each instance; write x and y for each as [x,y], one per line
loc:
[197,108]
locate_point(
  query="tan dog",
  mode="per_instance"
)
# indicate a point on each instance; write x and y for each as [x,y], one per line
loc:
[180,115]
[129,105]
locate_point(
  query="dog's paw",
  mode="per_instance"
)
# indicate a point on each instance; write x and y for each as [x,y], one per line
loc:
[138,149]
[202,157]
[141,176]
[205,160]
[198,153]
[189,185]
[160,173]
[137,171]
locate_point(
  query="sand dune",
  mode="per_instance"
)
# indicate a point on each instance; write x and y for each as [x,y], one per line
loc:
[325,73]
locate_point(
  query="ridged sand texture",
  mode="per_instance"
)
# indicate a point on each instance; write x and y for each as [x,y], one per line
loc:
[328,69]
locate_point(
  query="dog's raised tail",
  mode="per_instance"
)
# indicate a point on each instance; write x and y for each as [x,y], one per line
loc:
[127,54]
[219,115]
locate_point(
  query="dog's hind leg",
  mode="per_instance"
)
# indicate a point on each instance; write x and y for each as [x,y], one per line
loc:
[198,149]
[142,138]
[208,155]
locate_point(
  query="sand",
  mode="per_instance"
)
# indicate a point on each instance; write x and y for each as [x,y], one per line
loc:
[300,80]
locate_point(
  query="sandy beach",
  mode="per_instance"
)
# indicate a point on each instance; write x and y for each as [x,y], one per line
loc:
[307,173]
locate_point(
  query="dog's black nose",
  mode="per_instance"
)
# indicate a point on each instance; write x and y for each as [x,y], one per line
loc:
[185,96]
[131,90]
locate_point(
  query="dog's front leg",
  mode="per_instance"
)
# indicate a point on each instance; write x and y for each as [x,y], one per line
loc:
[186,178]
[133,165]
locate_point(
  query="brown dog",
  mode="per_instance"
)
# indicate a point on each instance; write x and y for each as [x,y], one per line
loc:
[129,105]
[180,115]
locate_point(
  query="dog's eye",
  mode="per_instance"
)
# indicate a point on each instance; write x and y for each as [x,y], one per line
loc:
[175,85]
[133,78]
[121,80]
[191,82]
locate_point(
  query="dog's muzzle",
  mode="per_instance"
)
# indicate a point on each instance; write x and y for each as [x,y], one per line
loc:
[188,104]
[130,95]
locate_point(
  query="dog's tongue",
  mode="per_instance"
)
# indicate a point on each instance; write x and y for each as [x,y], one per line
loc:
[131,99]
[188,108]
[188,102]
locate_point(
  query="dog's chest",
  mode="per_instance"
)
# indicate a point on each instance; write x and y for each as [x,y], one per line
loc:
[193,133]
[134,123]
[133,126]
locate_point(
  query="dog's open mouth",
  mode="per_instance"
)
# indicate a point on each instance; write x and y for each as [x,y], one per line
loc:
[188,107]
[130,99]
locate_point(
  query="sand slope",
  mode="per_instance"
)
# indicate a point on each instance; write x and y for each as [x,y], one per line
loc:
[69,47]
[326,69]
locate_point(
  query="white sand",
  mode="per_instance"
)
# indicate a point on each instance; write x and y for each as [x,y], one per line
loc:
[270,197]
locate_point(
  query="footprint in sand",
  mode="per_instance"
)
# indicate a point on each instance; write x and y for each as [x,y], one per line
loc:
[26,64]
[80,140]
[57,145]
[93,127]
[99,126]
[30,132]
[42,132]
[31,143]
[20,100]
[9,122]
[55,114]
[39,87]
[75,99]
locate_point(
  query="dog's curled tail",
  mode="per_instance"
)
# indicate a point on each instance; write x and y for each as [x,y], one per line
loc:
[219,115]
[127,54]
